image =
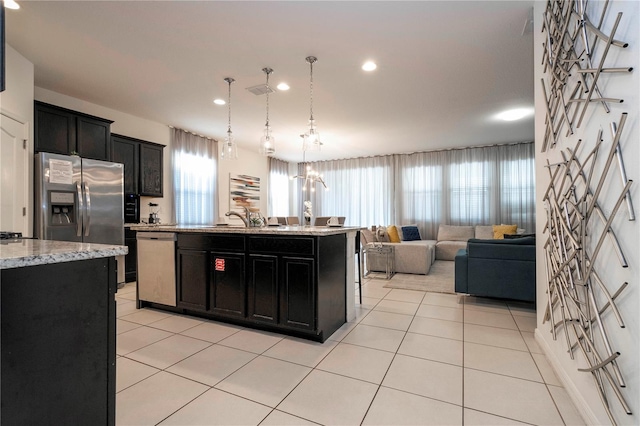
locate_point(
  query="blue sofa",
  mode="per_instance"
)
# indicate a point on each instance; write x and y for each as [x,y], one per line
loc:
[504,269]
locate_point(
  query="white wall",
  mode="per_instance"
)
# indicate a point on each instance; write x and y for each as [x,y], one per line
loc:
[248,163]
[581,385]
[17,99]
[17,102]
[127,125]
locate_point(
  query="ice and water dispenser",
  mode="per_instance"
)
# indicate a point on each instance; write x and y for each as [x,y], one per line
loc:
[62,208]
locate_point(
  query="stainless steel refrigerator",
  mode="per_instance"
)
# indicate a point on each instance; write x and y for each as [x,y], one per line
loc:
[78,199]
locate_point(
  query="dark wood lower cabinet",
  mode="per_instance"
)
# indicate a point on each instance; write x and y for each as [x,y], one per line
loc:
[297,297]
[278,283]
[131,258]
[228,287]
[58,343]
[193,279]
[263,288]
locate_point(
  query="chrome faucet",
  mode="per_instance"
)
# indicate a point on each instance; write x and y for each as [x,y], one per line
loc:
[244,219]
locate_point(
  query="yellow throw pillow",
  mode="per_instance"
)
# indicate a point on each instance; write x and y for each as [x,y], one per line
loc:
[392,231]
[500,230]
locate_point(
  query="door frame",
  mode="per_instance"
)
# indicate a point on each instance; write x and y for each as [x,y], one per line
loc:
[28,174]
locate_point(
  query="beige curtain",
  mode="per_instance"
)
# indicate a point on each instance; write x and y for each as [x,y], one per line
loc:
[195,169]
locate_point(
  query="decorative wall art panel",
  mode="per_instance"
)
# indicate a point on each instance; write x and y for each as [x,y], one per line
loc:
[588,190]
[244,191]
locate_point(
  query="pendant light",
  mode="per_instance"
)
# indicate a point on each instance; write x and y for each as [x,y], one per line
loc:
[311,140]
[310,176]
[267,141]
[229,147]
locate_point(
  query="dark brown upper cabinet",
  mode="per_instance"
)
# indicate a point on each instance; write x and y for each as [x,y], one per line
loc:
[126,150]
[151,169]
[63,131]
[142,164]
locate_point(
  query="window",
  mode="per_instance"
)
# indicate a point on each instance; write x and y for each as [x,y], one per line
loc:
[470,186]
[279,182]
[517,192]
[470,192]
[194,179]
[360,189]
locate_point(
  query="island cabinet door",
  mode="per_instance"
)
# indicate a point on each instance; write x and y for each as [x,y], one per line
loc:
[263,288]
[297,293]
[228,286]
[193,279]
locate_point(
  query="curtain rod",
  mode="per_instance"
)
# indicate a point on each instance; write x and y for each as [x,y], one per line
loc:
[193,133]
[423,152]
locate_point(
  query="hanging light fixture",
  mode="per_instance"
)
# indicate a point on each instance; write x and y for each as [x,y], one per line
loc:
[229,147]
[267,141]
[310,176]
[311,140]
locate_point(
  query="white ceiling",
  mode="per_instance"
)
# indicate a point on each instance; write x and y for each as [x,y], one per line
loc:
[445,68]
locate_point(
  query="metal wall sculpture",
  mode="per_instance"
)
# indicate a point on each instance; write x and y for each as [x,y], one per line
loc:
[578,227]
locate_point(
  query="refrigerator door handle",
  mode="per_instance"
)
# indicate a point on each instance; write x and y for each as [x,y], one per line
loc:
[87,228]
[79,209]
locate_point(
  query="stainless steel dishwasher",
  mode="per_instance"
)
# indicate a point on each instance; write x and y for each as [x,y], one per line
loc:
[157,267]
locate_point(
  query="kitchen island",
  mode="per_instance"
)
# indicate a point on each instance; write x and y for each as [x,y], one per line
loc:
[295,280]
[57,332]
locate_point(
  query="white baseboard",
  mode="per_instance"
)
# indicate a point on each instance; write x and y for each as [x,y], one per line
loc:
[584,409]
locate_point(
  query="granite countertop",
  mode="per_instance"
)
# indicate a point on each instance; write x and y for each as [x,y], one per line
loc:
[28,252]
[241,229]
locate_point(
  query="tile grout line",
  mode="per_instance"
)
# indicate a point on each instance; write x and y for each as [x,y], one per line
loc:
[463,300]
[388,368]
[303,379]
[546,385]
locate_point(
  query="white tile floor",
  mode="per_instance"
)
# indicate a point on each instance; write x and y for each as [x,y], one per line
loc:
[410,358]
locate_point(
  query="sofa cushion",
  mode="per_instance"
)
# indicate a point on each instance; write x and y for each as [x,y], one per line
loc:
[392,231]
[446,250]
[484,232]
[381,235]
[500,230]
[430,243]
[408,259]
[517,249]
[410,233]
[367,236]
[455,233]
[517,235]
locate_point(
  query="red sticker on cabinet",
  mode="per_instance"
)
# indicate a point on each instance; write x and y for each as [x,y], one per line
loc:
[220,265]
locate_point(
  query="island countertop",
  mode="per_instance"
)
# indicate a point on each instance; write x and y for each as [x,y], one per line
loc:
[28,252]
[317,231]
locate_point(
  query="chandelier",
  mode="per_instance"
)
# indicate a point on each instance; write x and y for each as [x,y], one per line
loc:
[310,176]
[267,141]
[229,147]
[311,137]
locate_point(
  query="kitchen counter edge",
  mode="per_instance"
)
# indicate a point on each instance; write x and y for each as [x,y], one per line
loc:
[28,252]
[267,230]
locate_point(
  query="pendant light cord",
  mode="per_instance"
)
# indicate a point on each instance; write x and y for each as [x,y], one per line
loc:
[229,80]
[268,88]
[229,125]
[311,61]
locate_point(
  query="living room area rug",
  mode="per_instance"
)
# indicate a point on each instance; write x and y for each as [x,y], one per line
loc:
[440,279]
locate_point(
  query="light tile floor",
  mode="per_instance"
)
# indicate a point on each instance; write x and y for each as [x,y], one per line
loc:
[410,358]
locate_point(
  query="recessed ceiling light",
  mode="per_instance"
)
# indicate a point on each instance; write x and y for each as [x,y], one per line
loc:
[283,86]
[219,101]
[515,114]
[11,4]
[369,66]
